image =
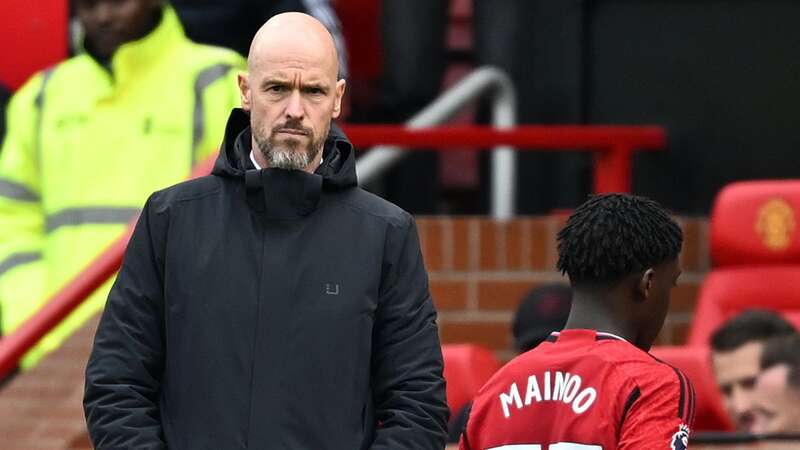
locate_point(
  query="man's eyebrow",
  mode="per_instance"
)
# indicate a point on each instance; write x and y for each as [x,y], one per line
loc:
[315,85]
[275,81]
[281,81]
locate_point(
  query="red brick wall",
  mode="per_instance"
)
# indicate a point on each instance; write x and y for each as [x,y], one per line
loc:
[41,409]
[480,269]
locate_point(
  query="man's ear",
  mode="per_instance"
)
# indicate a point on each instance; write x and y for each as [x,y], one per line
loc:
[244,91]
[645,285]
[337,105]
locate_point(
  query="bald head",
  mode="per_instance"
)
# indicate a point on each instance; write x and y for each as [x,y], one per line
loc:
[294,36]
[292,91]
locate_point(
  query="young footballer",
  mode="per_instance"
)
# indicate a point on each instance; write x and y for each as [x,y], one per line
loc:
[593,386]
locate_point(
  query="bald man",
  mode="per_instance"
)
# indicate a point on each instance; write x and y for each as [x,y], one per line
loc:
[273,304]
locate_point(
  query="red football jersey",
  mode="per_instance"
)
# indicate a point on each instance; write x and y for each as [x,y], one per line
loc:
[582,390]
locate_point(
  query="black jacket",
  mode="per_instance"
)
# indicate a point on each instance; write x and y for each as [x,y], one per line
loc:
[269,309]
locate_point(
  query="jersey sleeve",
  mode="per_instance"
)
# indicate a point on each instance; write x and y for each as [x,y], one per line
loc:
[660,415]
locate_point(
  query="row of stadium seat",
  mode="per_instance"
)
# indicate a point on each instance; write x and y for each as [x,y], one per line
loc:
[755,253]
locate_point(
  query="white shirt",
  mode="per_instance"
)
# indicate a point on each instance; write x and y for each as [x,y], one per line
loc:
[253,159]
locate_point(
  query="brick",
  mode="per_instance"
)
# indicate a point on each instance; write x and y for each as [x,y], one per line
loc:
[502,294]
[552,225]
[27,444]
[463,257]
[55,364]
[20,431]
[65,412]
[431,243]
[36,444]
[41,408]
[13,409]
[693,257]
[541,239]
[38,388]
[449,295]
[80,441]
[493,335]
[59,429]
[674,332]
[490,258]
[680,331]
[683,298]
[517,235]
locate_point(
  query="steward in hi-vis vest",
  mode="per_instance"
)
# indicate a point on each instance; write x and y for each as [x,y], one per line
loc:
[90,138]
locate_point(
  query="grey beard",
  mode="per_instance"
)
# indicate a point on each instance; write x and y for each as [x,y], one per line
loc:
[289,159]
[291,155]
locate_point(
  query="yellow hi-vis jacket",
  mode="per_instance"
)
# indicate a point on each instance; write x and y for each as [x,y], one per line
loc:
[84,148]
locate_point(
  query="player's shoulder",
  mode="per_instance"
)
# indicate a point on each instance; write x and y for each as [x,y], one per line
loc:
[658,371]
[671,381]
[642,367]
[634,359]
[656,378]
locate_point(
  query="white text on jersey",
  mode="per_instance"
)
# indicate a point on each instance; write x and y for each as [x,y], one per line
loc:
[565,387]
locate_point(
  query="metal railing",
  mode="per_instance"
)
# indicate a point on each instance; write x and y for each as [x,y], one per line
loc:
[612,145]
[486,80]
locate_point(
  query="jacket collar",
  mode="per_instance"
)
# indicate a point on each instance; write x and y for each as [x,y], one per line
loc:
[284,194]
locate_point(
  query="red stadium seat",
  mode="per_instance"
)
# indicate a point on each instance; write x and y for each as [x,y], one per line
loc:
[694,362]
[756,222]
[466,368]
[755,249]
[727,292]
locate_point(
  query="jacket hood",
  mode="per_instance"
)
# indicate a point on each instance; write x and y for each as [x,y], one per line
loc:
[338,168]
[280,193]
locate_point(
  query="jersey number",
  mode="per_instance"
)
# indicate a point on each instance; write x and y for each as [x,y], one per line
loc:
[559,446]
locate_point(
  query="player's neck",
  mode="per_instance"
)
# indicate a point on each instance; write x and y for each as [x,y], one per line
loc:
[597,314]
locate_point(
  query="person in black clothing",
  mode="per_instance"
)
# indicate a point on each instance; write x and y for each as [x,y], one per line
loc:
[273,304]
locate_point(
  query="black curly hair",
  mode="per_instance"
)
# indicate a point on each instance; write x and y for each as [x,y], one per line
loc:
[611,236]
